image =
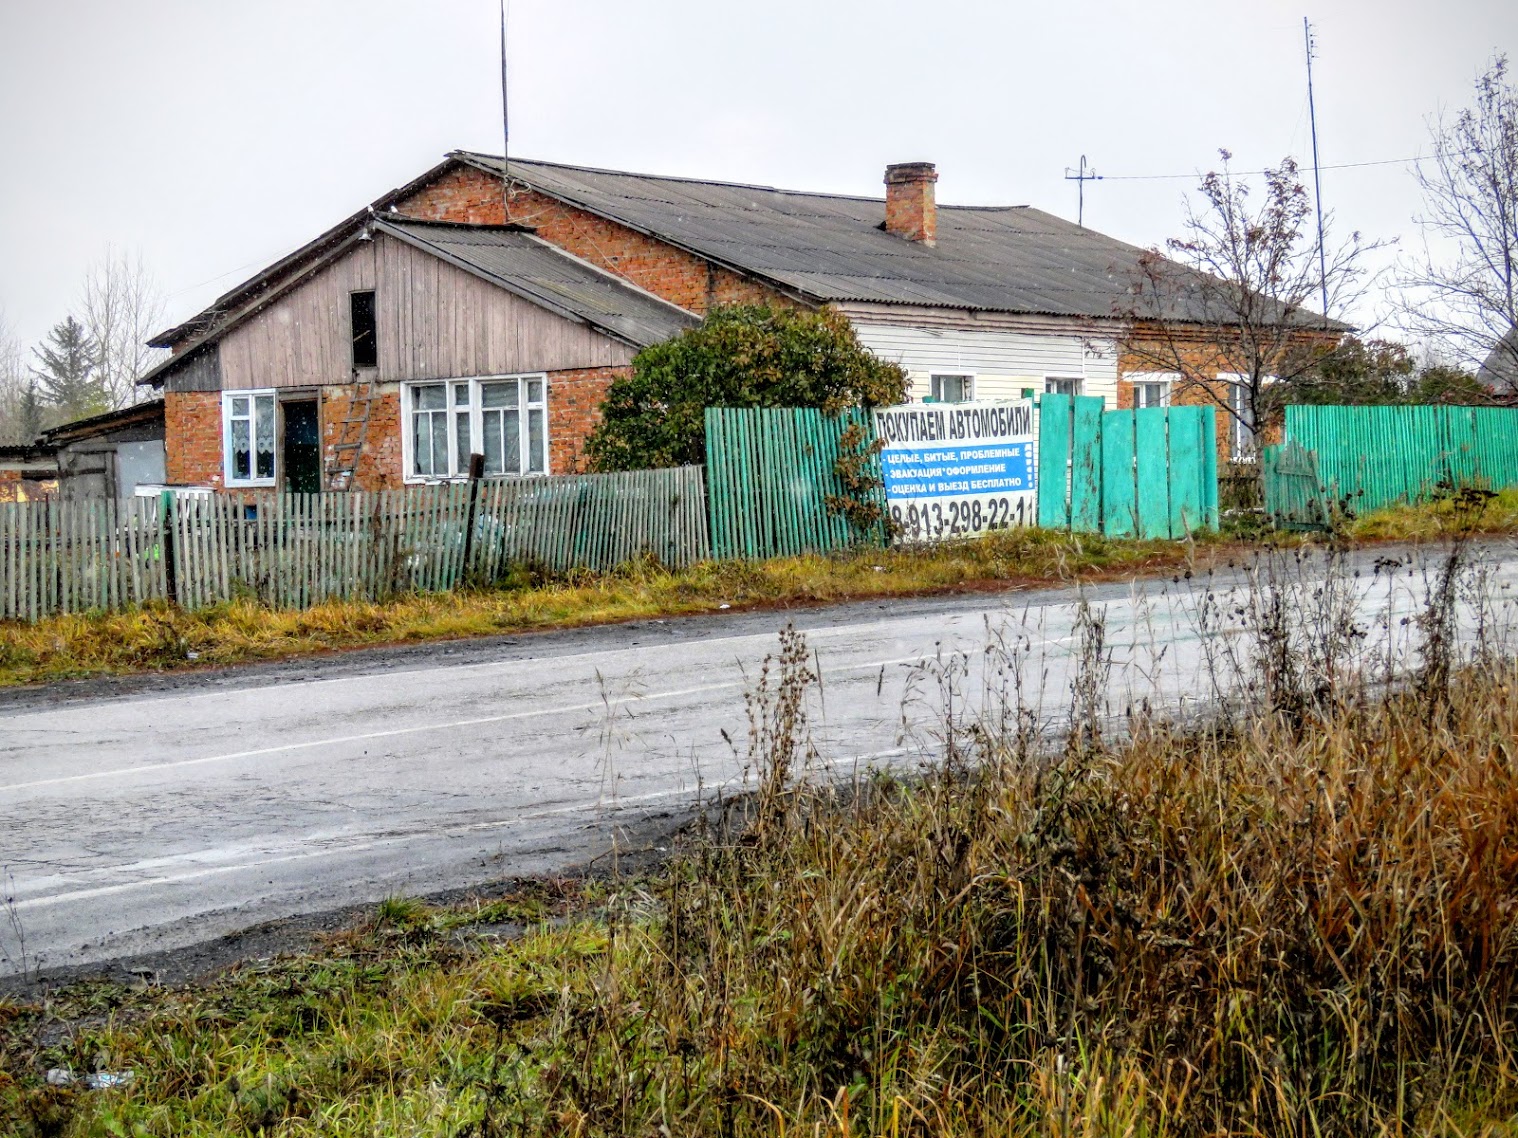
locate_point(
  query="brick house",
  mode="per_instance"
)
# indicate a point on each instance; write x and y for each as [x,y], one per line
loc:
[28,473]
[450,317]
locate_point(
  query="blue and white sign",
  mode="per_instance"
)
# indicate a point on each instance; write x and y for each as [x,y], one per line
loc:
[955,469]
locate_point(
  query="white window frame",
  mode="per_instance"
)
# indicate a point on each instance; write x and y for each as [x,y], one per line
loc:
[935,385]
[473,409]
[1076,381]
[1166,380]
[1240,437]
[252,395]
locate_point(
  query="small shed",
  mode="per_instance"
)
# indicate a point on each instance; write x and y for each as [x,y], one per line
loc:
[28,473]
[110,455]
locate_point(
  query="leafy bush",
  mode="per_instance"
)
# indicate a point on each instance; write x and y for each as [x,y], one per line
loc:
[744,356]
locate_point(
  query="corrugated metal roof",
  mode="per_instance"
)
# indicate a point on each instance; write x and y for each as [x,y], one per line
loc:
[544,274]
[833,248]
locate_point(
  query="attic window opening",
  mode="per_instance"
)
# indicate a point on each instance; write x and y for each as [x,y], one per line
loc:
[365,329]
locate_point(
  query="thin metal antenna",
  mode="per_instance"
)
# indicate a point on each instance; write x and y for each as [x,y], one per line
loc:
[1081,177]
[505,127]
[1317,178]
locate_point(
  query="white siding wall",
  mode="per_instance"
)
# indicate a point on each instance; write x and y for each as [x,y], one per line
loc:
[1002,362]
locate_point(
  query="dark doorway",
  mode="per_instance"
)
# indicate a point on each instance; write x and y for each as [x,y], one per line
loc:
[302,448]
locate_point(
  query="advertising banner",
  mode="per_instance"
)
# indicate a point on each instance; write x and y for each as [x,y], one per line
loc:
[954,469]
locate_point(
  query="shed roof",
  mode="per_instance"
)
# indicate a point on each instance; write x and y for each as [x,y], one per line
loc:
[546,275]
[92,426]
[832,247]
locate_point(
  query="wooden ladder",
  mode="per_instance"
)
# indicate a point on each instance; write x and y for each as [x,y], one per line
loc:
[352,431]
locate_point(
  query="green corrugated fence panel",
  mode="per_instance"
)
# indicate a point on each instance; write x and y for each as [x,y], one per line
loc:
[1119,500]
[1373,456]
[1055,415]
[771,472]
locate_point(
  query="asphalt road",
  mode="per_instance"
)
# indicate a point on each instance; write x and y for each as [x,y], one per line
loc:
[148,815]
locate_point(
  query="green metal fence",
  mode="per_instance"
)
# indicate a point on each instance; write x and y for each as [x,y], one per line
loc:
[770,474]
[296,550]
[1369,457]
[1150,473]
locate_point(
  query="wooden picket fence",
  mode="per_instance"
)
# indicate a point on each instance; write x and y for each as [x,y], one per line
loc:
[296,550]
[78,556]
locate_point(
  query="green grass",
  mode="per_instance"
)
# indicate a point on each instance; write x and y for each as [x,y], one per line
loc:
[1283,928]
[162,637]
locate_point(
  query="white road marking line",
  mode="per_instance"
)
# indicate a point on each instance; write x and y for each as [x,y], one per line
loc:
[338,740]
[380,843]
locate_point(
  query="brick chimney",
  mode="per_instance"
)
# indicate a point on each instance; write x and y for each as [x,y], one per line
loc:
[911,210]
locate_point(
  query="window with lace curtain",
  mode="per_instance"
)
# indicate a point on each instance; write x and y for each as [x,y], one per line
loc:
[248,429]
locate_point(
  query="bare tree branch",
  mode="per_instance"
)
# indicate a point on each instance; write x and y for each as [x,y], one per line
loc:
[123,306]
[1233,296]
[1469,303]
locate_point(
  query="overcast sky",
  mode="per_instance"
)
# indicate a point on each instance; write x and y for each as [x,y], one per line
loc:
[213,137]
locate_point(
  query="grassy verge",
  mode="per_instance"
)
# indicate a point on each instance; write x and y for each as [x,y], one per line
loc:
[1429,521]
[164,638]
[1294,926]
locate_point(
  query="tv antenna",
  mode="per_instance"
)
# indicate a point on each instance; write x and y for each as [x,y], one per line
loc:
[1081,177]
[1317,178]
[505,128]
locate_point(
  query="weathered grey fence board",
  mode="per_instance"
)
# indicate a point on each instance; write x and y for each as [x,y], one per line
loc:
[294,551]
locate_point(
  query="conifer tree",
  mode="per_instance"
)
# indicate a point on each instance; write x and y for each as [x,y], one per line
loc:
[68,377]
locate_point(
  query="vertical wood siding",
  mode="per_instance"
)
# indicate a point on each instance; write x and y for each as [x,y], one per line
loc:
[435,321]
[303,338]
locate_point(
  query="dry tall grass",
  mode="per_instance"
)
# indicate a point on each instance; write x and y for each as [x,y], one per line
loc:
[1298,927]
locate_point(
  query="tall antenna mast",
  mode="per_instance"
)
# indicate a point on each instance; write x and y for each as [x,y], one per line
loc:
[505,127]
[1081,177]
[1317,178]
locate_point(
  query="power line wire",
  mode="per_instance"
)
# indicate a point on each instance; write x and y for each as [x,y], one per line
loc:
[1247,173]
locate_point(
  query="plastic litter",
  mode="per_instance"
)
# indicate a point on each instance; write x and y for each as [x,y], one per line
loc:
[99,1081]
[106,1080]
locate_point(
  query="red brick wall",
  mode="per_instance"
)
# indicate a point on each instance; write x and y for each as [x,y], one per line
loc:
[681,278]
[379,462]
[574,408]
[192,423]
[192,437]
